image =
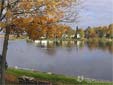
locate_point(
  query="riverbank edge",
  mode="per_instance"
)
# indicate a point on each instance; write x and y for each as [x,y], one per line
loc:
[12,37]
[53,78]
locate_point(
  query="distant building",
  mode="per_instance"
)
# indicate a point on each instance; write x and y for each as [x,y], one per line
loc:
[72,36]
[64,36]
[77,34]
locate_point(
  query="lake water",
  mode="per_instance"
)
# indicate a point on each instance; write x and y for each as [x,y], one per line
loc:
[92,60]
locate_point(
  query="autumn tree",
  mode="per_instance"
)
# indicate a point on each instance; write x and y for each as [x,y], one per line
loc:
[100,31]
[90,33]
[110,31]
[31,16]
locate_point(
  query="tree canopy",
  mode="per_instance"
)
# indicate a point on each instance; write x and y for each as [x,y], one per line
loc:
[35,17]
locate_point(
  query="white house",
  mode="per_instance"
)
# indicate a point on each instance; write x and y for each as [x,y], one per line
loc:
[78,36]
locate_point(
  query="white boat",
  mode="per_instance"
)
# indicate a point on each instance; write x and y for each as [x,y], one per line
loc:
[37,41]
[44,42]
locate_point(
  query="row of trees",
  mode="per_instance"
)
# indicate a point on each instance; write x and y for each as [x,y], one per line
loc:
[97,32]
[64,31]
[48,32]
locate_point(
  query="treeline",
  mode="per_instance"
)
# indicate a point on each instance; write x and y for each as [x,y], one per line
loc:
[66,32]
[96,32]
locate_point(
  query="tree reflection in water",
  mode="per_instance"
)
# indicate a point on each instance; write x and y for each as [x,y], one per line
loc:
[102,45]
[71,44]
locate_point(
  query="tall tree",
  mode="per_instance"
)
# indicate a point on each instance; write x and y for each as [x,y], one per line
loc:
[29,16]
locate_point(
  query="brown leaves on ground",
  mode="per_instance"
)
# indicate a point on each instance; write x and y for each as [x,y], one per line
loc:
[10,78]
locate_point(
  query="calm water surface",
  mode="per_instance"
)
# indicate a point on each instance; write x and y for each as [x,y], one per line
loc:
[71,58]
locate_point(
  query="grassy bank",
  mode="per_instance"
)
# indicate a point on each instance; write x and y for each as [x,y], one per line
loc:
[53,78]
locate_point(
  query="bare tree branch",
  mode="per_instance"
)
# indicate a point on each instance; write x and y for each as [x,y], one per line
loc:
[2,7]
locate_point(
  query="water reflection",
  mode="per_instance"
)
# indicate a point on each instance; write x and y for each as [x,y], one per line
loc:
[92,45]
[102,45]
[92,59]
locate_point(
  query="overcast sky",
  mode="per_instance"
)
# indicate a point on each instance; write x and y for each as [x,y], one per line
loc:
[96,13]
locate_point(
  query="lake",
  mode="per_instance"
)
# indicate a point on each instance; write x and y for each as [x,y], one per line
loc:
[73,58]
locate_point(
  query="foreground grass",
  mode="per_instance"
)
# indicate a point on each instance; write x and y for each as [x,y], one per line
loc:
[54,79]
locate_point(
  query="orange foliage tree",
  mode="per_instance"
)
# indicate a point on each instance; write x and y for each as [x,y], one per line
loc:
[35,17]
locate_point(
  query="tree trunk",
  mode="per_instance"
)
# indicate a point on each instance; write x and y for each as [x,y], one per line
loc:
[4,53]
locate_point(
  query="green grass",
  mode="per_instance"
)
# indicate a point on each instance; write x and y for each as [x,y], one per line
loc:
[55,79]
